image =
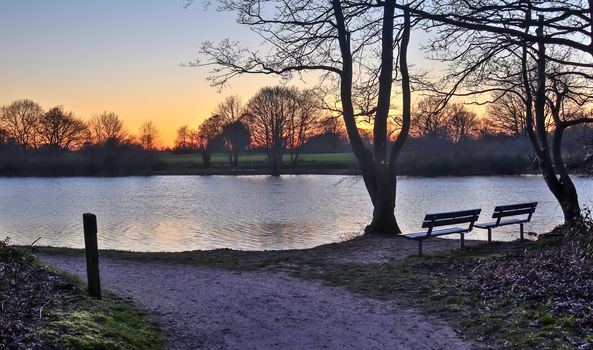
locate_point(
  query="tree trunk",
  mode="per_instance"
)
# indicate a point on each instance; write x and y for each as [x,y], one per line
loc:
[274,159]
[378,170]
[383,205]
[206,159]
[567,196]
[235,159]
[295,160]
[553,170]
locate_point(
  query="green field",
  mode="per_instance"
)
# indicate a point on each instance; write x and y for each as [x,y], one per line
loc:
[183,163]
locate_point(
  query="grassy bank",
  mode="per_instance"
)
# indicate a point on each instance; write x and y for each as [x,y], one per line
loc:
[254,163]
[46,309]
[504,295]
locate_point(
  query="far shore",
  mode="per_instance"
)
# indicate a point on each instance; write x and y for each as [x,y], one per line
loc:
[260,172]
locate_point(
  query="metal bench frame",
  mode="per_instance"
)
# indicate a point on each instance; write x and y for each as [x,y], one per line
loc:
[445,219]
[505,211]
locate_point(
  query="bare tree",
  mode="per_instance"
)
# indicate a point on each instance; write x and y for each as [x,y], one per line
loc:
[502,50]
[508,115]
[236,136]
[268,115]
[208,136]
[60,130]
[429,119]
[230,109]
[352,44]
[462,123]
[568,23]
[20,119]
[231,112]
[107,127]
[149,136]
[183,142]
[303,122]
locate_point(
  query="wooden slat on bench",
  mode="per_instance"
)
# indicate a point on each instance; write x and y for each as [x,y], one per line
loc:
[515,206]
[434,233]
[503,214]
[502,211]
[452,214]
[450,218]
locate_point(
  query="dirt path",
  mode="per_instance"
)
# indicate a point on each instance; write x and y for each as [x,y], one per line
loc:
[205,308]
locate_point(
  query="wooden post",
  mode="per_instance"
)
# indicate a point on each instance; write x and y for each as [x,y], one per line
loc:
[489,235]
[419,247]
[521,231]
[462,240]
[92,254]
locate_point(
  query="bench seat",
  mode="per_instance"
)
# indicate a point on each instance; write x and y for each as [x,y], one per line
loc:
[486,225]
[442,232]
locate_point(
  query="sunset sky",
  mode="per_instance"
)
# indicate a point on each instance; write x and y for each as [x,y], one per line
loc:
[122,56]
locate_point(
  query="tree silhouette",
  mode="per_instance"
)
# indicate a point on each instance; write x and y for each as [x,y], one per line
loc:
[148,136]
[231,112]
[183,142]
[208,137]
[268,115]
[20,120]
[107,127]
[236,136]
[352,45]
[303,122]
[500,49]
[60,130]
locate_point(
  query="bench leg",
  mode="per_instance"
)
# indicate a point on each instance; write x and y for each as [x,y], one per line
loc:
[521,225]
[462,240]
[420,247]
[489,235]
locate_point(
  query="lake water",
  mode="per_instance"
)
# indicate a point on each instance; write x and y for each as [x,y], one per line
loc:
[176,213]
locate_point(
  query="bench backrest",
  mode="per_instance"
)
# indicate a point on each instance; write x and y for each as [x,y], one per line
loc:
[503,211]
[451,218]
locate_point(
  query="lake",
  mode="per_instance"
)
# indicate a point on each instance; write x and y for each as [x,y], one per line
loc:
[177,213]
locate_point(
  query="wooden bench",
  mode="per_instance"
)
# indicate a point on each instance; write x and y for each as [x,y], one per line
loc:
[445,219]
[504,211]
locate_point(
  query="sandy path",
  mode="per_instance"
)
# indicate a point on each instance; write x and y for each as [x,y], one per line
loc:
[204,308]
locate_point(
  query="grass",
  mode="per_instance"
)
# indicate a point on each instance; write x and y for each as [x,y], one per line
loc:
[220,258]
[51,310]
[110,323]
[180,162]
[429,284]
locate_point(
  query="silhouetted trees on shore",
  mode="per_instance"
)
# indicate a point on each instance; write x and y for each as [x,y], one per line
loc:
[443,141]
[34,142]
[532,58]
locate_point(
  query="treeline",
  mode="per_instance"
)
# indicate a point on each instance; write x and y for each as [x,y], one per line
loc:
[452,140]
[34,142]
[282,122]
[444,140]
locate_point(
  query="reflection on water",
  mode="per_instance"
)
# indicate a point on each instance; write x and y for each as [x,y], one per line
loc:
[175,213]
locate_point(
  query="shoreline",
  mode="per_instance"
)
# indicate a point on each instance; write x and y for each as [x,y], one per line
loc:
[361,249]
[265,172]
